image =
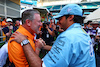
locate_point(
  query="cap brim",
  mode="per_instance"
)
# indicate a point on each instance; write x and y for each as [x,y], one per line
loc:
[57,17]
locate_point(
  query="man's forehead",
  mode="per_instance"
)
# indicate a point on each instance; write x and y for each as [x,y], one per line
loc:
[36,14]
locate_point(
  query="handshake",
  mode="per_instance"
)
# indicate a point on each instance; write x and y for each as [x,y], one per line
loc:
[40,43]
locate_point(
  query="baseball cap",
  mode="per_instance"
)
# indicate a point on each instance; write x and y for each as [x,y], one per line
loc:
[70,9]
[9,20]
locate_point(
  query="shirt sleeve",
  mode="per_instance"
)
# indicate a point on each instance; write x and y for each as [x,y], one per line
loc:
[16,54]
[60,54]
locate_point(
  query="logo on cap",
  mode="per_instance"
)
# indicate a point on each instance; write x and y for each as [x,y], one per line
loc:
[69,9]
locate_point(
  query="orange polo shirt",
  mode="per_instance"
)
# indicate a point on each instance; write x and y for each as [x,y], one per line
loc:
[15,50]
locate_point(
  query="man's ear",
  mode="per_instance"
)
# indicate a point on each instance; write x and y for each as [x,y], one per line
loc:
[71,17]
[28,22]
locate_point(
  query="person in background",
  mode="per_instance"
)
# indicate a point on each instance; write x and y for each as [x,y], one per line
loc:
[16,25]
[55,32]
[46,37]
[85,26]
[4,23]
[89,28]
[92,32]
[89,24]
[98,30]
[97,46]
[51,23]
[72,48]
[9,29]
[0,23]
[4,49]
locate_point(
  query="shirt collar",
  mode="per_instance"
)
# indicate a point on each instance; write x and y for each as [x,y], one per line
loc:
[25,32]
[75,25]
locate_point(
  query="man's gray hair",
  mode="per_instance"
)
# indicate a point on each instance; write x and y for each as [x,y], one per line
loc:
[29,14]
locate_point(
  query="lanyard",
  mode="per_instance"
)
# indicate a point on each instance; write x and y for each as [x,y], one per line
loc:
[11,31]
[81,29]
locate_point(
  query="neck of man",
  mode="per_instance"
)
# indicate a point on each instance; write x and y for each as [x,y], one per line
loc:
[69,24]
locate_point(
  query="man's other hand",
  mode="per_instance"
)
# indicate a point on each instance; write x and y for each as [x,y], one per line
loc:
[18,37]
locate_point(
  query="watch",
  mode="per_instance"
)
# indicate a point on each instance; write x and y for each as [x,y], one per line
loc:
[24,42]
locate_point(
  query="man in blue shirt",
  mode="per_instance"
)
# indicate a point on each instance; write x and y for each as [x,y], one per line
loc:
[72,48]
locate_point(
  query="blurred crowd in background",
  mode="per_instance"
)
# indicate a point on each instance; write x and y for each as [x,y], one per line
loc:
[48,32]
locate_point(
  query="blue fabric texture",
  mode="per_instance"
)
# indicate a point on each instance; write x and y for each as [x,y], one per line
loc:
[72,48]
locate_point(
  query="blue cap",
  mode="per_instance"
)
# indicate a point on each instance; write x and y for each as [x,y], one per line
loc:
[70,9]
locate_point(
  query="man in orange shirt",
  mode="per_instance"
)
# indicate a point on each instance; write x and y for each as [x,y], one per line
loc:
[31,22]
[0,23]
[4,23]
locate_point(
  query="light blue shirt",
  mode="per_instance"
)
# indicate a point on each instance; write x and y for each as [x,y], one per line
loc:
[72,48]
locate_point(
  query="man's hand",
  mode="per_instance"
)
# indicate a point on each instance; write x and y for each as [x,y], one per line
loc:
[39,43]
[10,27]
[54,27]
[18,37]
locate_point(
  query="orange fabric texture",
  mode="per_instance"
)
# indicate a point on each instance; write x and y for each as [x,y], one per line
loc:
[15,50]
[0,24]
[4,23]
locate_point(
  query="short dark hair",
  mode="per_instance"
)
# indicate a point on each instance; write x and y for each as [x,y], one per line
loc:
[78,19]
[28,14]
[89,22]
